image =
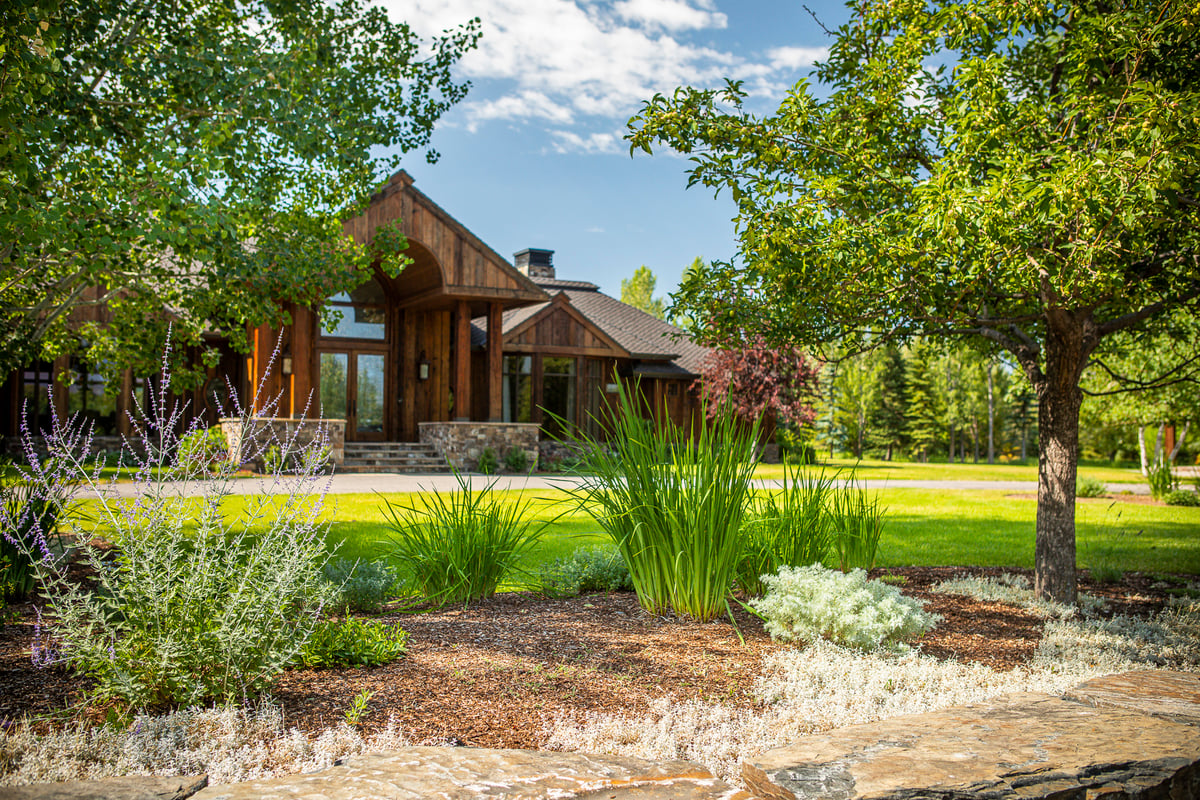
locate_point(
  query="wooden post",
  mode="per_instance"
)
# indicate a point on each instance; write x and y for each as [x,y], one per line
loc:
[302,365]
[125,404]
[408,377]
[495,363]
[462,363]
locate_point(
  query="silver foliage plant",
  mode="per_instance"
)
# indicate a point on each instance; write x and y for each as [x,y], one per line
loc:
[202,597]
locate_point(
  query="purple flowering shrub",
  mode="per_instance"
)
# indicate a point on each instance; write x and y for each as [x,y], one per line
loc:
[206,595]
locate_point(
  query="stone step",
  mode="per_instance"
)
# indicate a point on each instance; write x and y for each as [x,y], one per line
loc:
[393,469]
[1135,735]
[416,773]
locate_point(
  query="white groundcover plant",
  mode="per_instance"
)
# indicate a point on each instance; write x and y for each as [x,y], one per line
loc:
[823,686]
[810,603]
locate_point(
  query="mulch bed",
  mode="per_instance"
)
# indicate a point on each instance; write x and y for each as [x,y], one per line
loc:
[494,674]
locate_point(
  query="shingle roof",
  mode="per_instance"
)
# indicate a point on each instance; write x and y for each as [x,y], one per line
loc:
[645,336]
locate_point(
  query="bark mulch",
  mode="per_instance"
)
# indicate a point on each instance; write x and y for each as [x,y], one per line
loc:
[494,674]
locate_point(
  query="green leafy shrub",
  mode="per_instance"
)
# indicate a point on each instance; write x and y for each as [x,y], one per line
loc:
[1162,481]
[352,642]
[488,464]
[1090,487]
[1182,497]
[593,569]
[364,586]
[673,504]
[515,460]
[856,521]
[458,546]
[203,446]
[794,448]
[189,606]
[788,528]
[807,603]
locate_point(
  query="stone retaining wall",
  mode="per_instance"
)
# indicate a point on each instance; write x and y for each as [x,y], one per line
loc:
[463,442]
[262,432]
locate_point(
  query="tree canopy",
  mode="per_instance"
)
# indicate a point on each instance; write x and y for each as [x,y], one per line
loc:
[638,291]
[1024,173]
[188,162]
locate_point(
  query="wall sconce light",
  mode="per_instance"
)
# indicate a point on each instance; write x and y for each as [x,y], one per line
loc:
[423,368]
[287,365]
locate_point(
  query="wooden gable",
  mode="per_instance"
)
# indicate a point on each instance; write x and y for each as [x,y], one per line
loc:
[561,328]
[449,262]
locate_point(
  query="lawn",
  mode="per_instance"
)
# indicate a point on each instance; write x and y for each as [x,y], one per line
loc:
[941,471]
[924,528]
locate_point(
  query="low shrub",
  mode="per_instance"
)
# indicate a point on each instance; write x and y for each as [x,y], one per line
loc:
[458,546]
[193,603]
[36,504]
[807,603]
[856,523]
[204,447]
[1162,481]
[1182,497]
[593,569]
[364,586]
[515,460]
[488,464]
[1090,487]
[788,528]
[352,642]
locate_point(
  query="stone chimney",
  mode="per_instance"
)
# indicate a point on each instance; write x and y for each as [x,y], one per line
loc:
[535,264]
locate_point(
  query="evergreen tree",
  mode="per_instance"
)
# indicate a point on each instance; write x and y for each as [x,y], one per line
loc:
[888,427]
[925,409]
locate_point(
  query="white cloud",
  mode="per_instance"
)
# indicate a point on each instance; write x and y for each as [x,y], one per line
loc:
[571,142]
[578,66]
[795,58]
[672,15]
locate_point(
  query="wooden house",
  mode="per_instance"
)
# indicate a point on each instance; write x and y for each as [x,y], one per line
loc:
[463,350]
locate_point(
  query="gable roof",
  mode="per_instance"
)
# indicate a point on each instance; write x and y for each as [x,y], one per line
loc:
[643,336]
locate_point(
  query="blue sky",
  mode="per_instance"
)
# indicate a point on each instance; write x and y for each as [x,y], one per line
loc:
[534,156]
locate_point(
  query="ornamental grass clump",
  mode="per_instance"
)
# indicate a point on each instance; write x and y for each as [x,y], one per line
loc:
[856,522]
[788,528]
[809,603]
[674,505]
[199,598]
[455,547]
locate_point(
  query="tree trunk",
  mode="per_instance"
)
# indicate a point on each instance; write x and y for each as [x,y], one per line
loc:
[991,418]
[951,444]
[1142,450]
[1158,445]
[1179,443]
[975,440]
[1059,400]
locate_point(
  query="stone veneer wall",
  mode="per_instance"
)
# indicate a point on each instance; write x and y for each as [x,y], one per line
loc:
[14,447]
[463,442]
[272,429]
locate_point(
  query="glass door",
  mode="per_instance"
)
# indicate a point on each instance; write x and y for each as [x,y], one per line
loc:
[352,388]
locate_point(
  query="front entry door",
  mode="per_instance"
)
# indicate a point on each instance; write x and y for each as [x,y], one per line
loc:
[352,388]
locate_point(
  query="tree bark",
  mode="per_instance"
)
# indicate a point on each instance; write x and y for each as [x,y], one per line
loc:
[991,451]
[1142,450]
[1179,443]
[1059,399]
[1158,445]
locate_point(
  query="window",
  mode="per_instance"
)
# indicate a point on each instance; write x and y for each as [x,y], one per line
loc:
[518,389]
[358,314]
[558,396]
[36,381]
[86,397]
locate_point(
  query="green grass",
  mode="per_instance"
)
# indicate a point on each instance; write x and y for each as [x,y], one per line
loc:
[924,527]
[938,471]
[988,528]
